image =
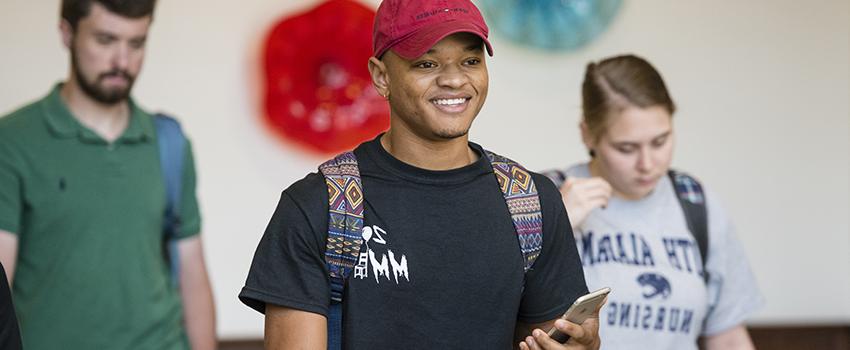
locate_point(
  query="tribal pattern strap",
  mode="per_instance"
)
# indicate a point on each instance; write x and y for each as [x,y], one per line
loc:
[523,203]
[345,221]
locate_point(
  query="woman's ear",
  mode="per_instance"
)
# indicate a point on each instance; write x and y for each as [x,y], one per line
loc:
[586,137]
[378,71]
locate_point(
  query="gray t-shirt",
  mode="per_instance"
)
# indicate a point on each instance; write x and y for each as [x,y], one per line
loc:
[643,250]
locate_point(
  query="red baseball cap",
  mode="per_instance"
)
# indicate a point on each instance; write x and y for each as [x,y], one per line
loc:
[411,27]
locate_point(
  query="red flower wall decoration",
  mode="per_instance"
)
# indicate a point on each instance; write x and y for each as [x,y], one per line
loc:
[318,89]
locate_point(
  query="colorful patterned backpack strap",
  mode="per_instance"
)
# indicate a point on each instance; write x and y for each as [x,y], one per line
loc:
[345,218]
[523,203]
[345,227]
[692,199]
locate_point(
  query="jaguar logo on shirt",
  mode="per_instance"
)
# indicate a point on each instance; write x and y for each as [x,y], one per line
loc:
[654,284]
[378,259]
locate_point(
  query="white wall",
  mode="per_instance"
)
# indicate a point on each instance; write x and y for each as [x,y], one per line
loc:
[762,85]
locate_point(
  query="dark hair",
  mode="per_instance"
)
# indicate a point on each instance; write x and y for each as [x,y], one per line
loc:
[619,82]
[75,10]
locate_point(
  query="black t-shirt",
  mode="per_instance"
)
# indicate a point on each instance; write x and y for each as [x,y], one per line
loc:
[444,263]
[10,336]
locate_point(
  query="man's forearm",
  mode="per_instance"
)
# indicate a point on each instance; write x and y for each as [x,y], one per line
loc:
[196,294]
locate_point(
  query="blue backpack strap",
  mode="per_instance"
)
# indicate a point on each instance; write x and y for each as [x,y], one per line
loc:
[171,144]
[523,203]
[345,228]
[692,199]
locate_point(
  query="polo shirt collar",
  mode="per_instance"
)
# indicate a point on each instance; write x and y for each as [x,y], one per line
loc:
[63,124]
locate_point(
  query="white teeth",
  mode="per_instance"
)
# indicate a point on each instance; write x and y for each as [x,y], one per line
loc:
[449,101]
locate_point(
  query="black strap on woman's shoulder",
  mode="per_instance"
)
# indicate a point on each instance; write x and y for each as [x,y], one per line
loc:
[692,199]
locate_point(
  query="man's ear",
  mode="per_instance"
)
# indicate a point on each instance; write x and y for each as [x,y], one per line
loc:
[378,71]
[67,32]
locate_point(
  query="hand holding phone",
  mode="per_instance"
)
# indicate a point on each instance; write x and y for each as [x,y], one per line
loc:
[582,309]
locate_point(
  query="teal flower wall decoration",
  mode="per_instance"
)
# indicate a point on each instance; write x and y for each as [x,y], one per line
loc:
[556,25]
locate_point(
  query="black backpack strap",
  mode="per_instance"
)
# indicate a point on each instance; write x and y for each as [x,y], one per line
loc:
[692,199]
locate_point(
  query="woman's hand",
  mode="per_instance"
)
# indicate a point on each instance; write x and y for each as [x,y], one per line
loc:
[582,195]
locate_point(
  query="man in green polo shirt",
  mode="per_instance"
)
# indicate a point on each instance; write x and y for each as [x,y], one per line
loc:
[82,203]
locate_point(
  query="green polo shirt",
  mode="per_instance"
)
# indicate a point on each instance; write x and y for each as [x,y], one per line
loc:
[88,214]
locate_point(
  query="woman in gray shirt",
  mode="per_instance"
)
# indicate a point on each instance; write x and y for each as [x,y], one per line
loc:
[631,228]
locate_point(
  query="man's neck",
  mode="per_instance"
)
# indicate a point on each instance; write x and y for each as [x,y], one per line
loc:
[108,121]
[427,154]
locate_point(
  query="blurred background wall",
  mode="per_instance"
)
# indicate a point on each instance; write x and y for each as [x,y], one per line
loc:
[763,89]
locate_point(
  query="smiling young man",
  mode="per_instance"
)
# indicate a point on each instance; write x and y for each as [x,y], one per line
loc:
[82,203]
[440,264]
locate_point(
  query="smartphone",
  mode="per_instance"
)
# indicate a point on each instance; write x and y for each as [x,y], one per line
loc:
[581,309]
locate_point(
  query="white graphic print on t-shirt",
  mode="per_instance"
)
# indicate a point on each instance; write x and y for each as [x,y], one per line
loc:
[382,260]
